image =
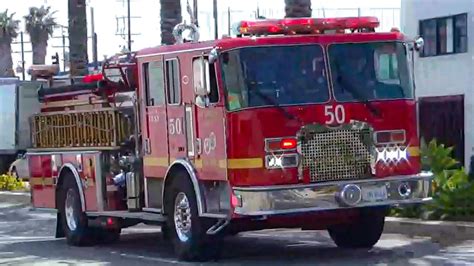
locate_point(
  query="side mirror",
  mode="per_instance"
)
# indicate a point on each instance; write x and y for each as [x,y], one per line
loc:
[213,56]
[202,101]
[202,88]
[419,43]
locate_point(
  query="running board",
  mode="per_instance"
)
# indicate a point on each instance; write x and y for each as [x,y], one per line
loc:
[144,216]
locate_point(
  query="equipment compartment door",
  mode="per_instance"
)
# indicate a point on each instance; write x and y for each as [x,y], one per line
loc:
[155,138]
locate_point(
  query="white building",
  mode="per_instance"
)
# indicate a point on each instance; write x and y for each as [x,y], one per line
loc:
[444,70]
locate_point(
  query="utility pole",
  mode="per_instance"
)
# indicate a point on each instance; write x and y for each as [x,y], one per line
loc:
[129,27]
[94,40]
[22,56]
[195,11]
[216,35]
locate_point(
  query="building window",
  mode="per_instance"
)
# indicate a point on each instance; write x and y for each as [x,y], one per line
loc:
[172,81]
[447,35]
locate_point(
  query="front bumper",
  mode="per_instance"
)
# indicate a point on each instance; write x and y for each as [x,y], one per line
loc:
[273,200]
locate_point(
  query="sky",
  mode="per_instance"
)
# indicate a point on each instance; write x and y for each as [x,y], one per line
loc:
[110,27]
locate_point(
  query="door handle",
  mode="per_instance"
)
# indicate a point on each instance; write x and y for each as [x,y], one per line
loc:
[198,146]
[147,146]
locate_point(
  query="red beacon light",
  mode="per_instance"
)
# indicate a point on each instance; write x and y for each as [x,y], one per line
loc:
[307,25]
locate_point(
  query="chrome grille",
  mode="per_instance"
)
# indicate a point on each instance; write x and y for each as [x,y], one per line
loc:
[337,155]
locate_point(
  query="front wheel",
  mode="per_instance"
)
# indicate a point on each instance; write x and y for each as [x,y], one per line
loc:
[364,233]
[186,229]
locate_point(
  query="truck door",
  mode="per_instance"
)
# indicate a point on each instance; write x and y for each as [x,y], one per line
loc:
[175,109]
[155,127]
[211,156]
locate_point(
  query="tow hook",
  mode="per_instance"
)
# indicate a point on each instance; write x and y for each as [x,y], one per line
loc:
[217,227]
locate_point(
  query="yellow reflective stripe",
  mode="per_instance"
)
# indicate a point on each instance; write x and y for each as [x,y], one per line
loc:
[247,163]
[45,181]
[198,163]
[414,151]
[156,161]
[250,163]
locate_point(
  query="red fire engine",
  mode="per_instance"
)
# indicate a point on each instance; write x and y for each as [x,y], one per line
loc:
[303,123]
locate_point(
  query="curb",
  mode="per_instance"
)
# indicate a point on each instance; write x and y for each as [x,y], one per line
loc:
[439,231]
[15,197]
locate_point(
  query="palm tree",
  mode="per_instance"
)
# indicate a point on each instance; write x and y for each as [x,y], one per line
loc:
[40,25]
[298,8]
[77,37]
[8,31]
[170,17]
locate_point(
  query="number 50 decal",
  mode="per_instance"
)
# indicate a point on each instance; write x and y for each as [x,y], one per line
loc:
[334,114]
[175,126]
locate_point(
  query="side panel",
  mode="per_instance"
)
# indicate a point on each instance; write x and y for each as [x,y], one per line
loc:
[42,184]
[45,170]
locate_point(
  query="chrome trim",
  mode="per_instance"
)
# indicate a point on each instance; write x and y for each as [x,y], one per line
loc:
[193,176]
[99,183]
[77,177]
[267,140]
[153,210]
[257,201]
[177,52]
[145,184]
[293,155]
[390,142]
[190,125]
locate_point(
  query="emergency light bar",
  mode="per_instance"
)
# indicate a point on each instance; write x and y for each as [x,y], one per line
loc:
[306,25]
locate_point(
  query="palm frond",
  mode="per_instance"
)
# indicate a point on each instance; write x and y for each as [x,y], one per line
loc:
[40,21]
[8,25]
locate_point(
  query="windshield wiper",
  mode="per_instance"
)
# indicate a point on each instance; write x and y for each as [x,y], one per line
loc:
[355,93]
[273,103]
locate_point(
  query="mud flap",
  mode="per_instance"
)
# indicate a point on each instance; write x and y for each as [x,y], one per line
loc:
[59,227]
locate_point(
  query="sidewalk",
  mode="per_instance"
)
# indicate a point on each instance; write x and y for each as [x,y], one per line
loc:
[439,231]
[15,198]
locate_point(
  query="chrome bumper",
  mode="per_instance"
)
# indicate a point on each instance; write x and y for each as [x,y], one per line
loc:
[256,201]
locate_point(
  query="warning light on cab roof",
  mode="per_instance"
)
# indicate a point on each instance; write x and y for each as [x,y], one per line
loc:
[306,25]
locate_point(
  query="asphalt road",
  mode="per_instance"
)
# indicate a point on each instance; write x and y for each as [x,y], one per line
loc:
[26,238]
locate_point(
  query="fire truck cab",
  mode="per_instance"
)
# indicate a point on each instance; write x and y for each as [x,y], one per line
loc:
[303,123]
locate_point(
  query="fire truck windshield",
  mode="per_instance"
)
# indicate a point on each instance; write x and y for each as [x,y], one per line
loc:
[370,71]
[274,76]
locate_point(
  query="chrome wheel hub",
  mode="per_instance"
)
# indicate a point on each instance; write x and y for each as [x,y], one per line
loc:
[70,211]
[182,217]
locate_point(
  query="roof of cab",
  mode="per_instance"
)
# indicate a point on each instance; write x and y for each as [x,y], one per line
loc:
[231,43]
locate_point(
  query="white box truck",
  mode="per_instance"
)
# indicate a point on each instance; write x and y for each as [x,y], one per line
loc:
[18,101]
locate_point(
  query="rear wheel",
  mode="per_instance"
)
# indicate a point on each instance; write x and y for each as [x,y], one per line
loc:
[364,233]
[73,219]
[185,228]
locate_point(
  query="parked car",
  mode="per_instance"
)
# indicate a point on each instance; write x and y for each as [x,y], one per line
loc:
[19,168]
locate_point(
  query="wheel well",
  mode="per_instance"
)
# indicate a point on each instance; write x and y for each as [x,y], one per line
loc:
[175,169]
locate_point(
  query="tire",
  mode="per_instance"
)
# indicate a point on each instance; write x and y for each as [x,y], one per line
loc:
[73,220]
[190,243]
[364,233]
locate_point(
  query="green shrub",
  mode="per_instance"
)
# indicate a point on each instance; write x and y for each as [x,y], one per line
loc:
[10,183]
[452,190]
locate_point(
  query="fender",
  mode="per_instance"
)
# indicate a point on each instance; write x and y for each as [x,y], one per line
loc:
[74,171]
[193,176]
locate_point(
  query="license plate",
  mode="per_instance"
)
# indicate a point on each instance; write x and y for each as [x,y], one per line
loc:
[374,193]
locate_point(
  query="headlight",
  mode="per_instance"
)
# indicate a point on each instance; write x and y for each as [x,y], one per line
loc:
[281,161]
[392,154]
